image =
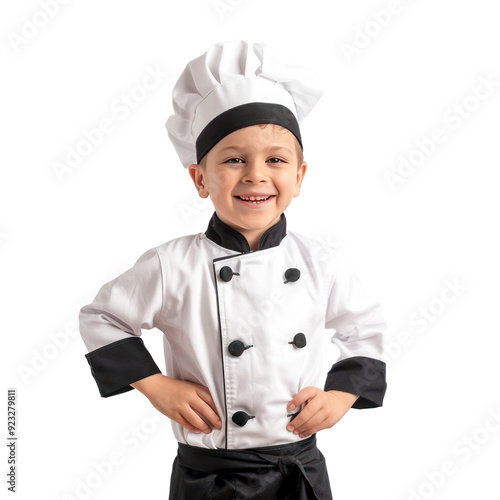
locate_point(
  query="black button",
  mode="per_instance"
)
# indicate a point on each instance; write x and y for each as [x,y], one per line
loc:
[292,274]
[241,418]
[299,340]
[236,347]
[226,273]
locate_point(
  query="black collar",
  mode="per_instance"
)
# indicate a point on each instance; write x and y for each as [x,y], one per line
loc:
[227,237]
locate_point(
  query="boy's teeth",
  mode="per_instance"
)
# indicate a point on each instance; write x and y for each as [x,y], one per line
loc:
[254,198]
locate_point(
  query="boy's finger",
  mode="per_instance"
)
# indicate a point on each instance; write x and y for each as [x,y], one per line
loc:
[182,421]
[206,410]
[311,431]
[314,421]
[307,412]
[194,419]
[204,394]
[301,397]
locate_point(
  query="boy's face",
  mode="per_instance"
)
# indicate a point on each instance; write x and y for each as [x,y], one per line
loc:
[252,160]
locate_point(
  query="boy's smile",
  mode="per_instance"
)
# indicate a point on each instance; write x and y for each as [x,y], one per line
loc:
[251,176]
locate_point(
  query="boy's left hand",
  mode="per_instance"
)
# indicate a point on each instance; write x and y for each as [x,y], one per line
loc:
[323,410]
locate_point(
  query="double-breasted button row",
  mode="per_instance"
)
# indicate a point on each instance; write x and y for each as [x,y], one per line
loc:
[291,275]
[240,418]
[237,348]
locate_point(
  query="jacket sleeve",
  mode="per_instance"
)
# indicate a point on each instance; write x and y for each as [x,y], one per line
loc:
[359,330]
[111,324]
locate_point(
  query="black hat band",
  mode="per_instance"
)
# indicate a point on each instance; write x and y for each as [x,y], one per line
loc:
[243,116]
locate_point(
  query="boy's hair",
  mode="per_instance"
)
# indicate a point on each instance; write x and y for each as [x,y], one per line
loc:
[298,149]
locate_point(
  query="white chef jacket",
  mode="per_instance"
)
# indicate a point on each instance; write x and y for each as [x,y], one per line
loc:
[249,325]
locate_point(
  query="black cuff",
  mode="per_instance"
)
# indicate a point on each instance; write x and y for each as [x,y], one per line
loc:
[114,366]
[359,375]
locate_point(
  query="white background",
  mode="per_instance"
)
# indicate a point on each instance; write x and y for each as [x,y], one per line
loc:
[65,234]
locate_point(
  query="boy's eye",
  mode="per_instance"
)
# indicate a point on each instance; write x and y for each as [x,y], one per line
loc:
[240,160]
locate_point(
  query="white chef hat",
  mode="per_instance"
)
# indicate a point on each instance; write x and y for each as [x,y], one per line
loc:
[233,85]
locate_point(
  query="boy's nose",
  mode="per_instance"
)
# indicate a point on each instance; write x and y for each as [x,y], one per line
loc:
[255,171]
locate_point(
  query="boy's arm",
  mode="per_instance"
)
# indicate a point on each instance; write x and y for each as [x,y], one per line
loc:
[111,325]
[359,331]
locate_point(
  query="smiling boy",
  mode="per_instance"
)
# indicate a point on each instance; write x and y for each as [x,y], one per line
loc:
[244,305]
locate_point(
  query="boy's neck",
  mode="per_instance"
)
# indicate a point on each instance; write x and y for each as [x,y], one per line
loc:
[229,237]
[253,238]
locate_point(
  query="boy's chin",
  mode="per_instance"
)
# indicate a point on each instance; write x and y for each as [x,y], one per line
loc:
[256,222]
[250,220]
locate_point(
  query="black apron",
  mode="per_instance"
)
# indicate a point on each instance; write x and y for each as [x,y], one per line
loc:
[294,471]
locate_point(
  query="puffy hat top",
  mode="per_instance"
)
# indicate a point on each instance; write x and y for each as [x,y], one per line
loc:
[233,85]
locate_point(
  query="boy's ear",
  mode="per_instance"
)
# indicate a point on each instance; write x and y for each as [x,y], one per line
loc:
[301,172]
[196,174]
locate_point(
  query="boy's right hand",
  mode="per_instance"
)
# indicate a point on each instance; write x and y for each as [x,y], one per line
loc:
[180,400]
